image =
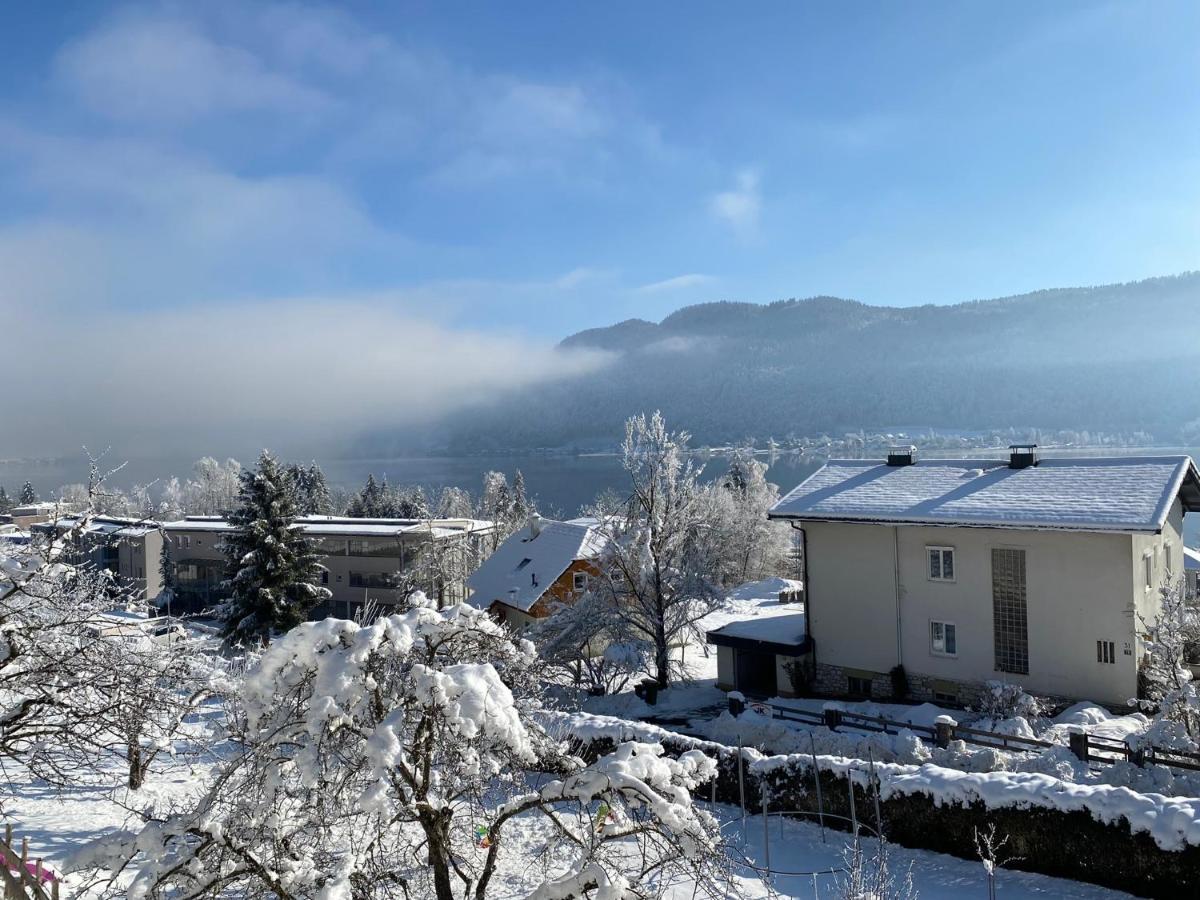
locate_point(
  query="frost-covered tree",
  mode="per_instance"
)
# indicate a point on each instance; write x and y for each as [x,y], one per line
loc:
[410,502]
[508,507]
[583,642]
[167,575]
[751,546]
[214,488]
[6,502]
[28,494]
[391,761]
[372,502]
[438,564]
[1171,641]
[173,503]
[310,489]
[80,690]
[659,568]
[273,569]
[454,503]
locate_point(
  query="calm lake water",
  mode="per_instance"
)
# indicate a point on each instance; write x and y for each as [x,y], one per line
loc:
[561,484]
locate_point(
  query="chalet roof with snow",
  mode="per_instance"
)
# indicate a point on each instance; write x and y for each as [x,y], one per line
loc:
[1111,494]
[524,567]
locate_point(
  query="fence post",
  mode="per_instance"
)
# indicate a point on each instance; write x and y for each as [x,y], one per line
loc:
[817,778]
[1079,743]
[741,787]
[875,787]
[943,728]
[766,829]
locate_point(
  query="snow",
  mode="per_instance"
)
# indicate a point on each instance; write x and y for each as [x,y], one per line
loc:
[1131,494]
[1191,559]
[778,626]
[525,566]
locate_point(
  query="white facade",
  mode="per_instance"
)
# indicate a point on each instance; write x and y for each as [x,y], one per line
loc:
[879,595]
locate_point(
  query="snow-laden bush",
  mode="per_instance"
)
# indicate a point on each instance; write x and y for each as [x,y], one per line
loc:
[391,760]
[1001,700]
[1167,686]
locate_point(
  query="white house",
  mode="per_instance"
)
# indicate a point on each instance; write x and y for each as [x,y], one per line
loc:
[1191,570]
[961,571]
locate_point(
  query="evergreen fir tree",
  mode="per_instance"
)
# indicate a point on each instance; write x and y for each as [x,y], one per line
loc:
[310,489]
[521,507]
[272,568]
[166,573]
[411,503]
[5,501]
[28,495]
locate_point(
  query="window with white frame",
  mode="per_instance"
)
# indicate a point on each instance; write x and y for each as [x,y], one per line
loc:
[1106,652]
[943,638]
[1148,569]
[579,581]
[941,563]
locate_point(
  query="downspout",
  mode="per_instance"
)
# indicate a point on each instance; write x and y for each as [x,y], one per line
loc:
[896,576]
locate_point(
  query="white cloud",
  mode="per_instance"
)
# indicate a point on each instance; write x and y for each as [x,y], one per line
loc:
[678,283]
[152,69]
[740,207]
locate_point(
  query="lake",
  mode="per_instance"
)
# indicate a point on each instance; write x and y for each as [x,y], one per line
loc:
[561,484]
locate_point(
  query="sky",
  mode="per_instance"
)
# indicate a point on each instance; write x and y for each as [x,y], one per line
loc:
[299,216]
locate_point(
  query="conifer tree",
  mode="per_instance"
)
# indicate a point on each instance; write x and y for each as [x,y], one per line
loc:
[272,568]
[5,500]
[310,489]
[28,494]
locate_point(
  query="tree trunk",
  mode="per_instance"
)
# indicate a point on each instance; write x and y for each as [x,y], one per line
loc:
[437,832]
[137,767]
[662,656]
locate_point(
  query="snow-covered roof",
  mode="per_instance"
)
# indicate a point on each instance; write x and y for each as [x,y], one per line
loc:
[325,526]
[524,566]
[1191,559]
[754,614]
[1123,494]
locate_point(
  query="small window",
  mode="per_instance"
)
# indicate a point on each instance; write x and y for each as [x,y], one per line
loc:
[858,687]
[1106,652]
[1168,557]
[1148,567]
[579,581]
[943,638]
[944,697]
[941,563]
[325,577]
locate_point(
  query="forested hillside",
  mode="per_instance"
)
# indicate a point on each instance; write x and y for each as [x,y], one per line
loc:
[1117,357]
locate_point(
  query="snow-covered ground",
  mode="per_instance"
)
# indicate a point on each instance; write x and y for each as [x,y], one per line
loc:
[60,823]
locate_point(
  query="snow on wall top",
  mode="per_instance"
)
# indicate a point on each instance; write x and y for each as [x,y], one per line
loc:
[1130,494]
[523,567]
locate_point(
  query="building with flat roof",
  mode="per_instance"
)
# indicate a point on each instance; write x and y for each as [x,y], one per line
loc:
[128,548]
[364,559]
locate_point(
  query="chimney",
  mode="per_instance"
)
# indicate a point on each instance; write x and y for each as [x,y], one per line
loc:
[1022,456]
[902,456]
[535,525]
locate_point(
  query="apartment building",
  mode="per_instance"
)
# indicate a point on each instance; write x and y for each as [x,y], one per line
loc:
[363,558]
[128,548]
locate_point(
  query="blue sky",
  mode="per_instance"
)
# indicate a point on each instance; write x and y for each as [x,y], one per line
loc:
[485,178]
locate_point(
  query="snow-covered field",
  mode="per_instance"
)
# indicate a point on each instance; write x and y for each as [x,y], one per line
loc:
[58,824]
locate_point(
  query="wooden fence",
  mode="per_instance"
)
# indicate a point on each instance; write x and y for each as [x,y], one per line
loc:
[22,878]
[1089,748]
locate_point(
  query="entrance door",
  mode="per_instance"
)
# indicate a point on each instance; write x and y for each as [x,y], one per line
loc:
[756,673]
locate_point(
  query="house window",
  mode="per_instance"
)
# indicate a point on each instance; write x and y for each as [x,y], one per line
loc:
[941,563]
[1148,570]
[1167,557]
[943,639]
[1106,652]
[325,576]
[579,581]
[1010,618]
[944,696]
[858,687]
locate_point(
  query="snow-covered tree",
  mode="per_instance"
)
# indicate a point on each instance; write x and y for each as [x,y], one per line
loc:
[437,565]
[1171,641]
[410,502]
[167,575]
[751,546]
[6,502]
[173,504]
[659,568]
[28,494]
[80,689]
[310,489]
[372,502]
[586,644]
[214,489]
[454,503]
[390,760]
[273,568]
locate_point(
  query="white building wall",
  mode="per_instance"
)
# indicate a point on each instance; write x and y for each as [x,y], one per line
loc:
[1081,588]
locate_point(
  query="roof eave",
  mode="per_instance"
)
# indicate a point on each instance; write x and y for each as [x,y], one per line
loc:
[1095,528]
